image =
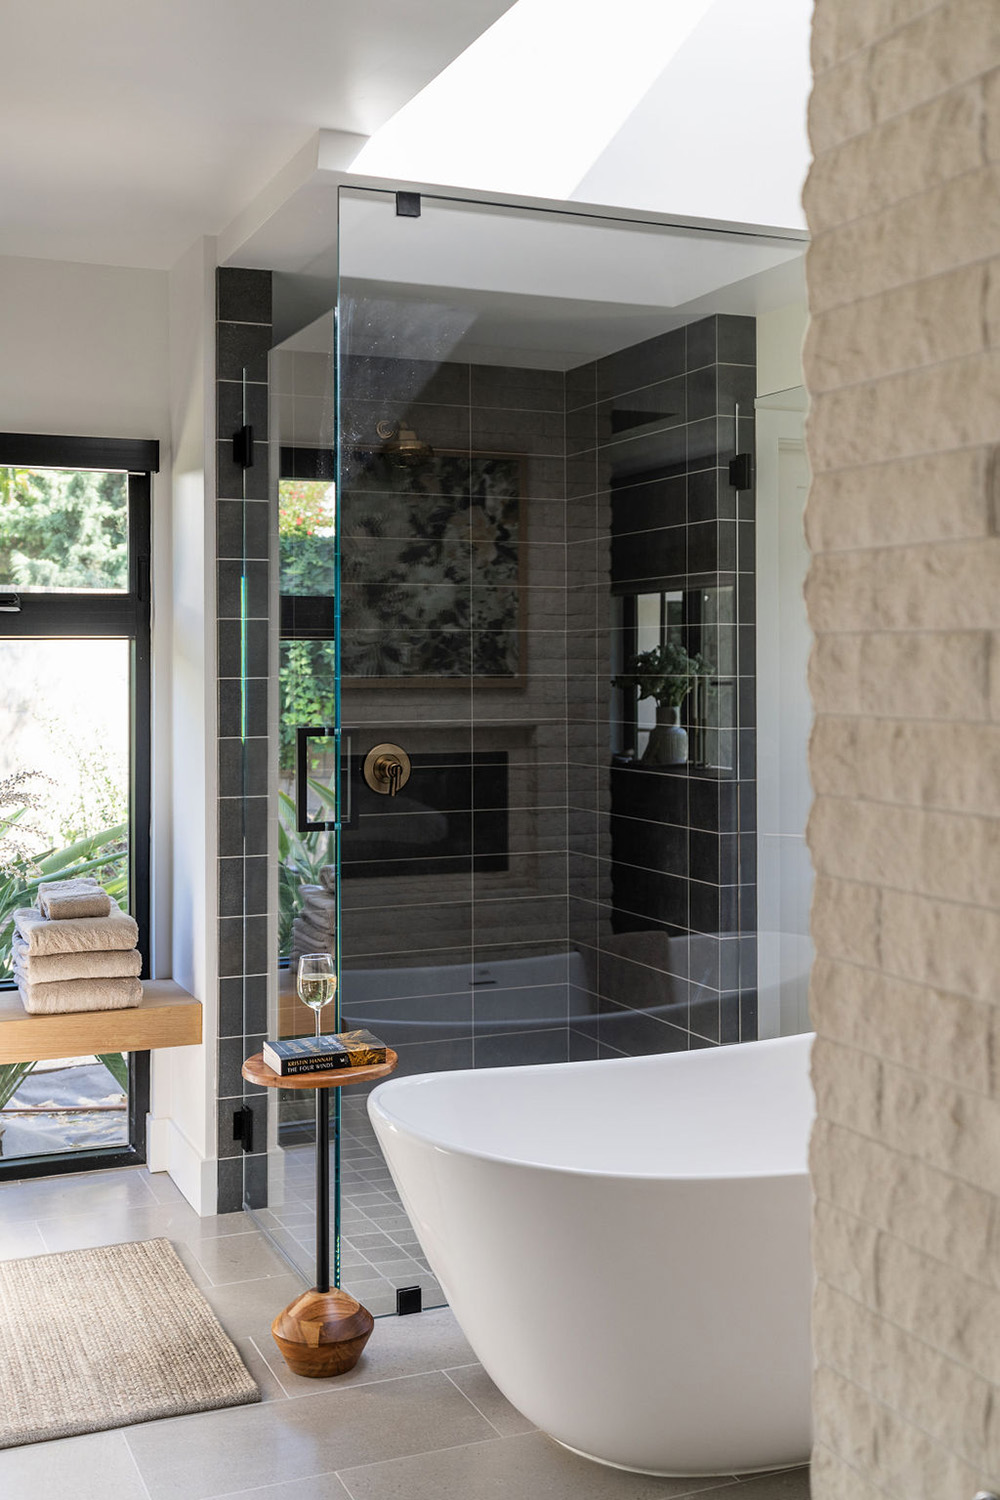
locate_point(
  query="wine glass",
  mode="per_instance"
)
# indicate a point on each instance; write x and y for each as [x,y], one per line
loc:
[317,982]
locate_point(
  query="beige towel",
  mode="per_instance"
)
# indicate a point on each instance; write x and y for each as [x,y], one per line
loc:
[114,963]
[83,935]
[64,995]
[64,900]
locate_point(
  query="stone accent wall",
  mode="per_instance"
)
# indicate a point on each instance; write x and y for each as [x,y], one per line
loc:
[903,366]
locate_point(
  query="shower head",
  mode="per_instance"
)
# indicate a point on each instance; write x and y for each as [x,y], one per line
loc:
[401,445]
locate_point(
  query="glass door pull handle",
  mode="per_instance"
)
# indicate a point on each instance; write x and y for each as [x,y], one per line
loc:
[387,769]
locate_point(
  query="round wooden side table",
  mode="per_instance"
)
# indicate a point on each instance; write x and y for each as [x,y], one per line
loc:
[323,1331]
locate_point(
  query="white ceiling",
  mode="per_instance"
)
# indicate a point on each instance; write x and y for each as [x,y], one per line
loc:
[130,127]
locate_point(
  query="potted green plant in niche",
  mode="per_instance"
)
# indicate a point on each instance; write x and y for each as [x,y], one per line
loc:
[667,674]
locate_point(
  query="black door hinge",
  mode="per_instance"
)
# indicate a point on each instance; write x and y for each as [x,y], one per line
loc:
[407,205]
[243,447]
[243,1127]
[741,471]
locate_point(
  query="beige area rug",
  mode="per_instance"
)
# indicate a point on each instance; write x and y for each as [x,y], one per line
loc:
[91,1339]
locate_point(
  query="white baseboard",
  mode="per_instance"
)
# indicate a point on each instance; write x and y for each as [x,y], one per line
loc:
[169,1150]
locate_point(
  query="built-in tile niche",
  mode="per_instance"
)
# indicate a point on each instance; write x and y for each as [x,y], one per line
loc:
[661,547]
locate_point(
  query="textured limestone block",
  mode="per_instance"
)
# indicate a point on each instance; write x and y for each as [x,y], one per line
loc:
[950,405]
[848,1086]
[929,1210]
[944,48]
[904,329]
[845,1252]
[949,225]
[897,762]
[845,921]
[941,943]
[831,1479]
[898,504]
[950,1402]
[922,587]
[905,155]
[953,1313]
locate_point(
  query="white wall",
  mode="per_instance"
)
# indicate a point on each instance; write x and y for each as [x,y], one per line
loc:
[780,336]
[182,1125]
[107,351]
[83,349]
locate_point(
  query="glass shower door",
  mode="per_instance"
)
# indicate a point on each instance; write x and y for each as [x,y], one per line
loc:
[543,516]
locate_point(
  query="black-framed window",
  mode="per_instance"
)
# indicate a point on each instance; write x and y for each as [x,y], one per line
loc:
[75,659]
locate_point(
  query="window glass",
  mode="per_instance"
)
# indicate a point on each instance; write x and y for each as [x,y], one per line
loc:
[63,530]
[64,810]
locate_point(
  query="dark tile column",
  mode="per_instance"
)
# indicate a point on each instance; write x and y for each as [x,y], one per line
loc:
[243,339]
[663,860]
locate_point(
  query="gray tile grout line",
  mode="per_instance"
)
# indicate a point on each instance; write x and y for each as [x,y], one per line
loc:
[471,1402]
[135,1463]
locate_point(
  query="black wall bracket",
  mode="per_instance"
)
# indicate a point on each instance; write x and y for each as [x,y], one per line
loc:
[243,1127]
[407,205]
[741,471]
[243,447]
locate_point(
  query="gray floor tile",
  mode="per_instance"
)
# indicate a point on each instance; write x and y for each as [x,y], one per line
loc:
[247,1307]
[80,1468]
[321,1487]
[163,1187]
[238,1257]
[216,1453]
[531,1467]
[473,1381]
[19,1240]
[45,1197]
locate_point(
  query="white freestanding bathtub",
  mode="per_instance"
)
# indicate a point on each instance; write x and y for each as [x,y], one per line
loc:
[625,1244]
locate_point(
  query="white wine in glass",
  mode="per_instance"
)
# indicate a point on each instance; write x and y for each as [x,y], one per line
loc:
[317,982]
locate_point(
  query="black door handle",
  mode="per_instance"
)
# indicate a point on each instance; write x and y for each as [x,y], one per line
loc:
[303,735]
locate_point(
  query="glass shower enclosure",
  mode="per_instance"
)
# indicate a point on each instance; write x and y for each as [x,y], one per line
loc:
[513,522]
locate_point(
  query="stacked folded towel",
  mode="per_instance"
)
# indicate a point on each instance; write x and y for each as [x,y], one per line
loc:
[76,951]
[314,929]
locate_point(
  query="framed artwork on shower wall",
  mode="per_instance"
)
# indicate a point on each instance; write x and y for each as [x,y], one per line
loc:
[432,562]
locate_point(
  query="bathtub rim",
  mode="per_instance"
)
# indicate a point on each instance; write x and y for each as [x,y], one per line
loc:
[394,1085]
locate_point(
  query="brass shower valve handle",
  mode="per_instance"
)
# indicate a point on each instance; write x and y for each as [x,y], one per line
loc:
[387,769]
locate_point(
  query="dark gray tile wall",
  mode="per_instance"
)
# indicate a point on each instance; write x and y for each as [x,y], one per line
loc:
[446,920]
[243,339]
[662,861]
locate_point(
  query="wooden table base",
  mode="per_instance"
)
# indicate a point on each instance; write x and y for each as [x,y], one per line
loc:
[322,1333]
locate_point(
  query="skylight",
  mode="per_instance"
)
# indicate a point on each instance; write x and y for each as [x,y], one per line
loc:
[532,104]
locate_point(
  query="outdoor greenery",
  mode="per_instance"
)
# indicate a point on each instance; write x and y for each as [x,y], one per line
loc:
[301,857]
[63,529]
[307,536]
[666,673]
[307,669]
[104,854]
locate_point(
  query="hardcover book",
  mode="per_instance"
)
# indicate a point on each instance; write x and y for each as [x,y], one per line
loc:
[321,1054]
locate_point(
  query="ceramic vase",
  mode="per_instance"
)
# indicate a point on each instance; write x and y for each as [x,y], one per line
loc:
[668,742]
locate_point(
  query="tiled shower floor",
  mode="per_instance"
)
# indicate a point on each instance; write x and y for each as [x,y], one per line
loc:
[379,1250]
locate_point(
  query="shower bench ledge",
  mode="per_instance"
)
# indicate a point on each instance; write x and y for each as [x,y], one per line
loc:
[166,1017]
